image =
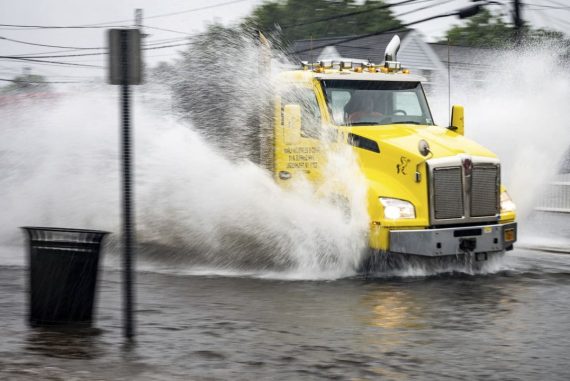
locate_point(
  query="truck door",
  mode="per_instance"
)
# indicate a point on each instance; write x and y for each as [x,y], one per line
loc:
[298,129]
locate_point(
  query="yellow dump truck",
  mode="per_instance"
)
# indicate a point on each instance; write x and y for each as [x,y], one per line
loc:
[430,191]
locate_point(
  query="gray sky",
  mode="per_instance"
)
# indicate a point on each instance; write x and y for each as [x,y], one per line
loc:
[187,18]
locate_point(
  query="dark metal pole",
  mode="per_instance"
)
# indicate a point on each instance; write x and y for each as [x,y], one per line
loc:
[128,221]
[517,20]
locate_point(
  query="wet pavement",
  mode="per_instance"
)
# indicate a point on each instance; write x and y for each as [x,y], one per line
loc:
[512,324]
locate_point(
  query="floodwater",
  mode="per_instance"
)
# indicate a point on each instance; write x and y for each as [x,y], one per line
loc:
[511,324]
[280,300]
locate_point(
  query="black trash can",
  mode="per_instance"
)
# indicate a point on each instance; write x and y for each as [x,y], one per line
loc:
[63,267]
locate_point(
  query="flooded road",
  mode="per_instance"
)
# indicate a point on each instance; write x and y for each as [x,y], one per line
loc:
[509,325]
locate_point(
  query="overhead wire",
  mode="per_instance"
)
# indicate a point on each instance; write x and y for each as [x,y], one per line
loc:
[555,3]
[349,14]
[68,49]
[542,11]
[27,27]
[88,54]
[423,8]
[37,82]
[46,45]
[106,24]
[394,29]
[195,9]
[50,62]
[167,30]
[566,8]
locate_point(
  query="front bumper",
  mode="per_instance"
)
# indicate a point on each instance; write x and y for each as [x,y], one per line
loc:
[453,241]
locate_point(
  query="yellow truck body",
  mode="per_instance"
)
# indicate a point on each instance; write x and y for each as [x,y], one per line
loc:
[430,190]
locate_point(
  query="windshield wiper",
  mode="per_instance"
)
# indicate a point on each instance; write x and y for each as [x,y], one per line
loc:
[362,124]
[406,122]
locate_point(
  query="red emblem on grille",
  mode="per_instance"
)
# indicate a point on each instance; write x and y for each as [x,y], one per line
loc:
[467,166]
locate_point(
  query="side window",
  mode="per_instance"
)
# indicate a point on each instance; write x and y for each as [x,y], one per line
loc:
[310,113]
[339,99]
[408,102]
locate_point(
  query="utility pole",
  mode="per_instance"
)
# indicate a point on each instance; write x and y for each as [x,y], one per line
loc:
[139,26]
[138,18]
[517,20]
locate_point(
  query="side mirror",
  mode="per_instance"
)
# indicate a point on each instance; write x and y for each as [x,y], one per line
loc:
[292,124]
[457,120]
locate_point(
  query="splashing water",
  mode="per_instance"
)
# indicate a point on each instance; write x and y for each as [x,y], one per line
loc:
[516,108]
[202,208]
[194,207]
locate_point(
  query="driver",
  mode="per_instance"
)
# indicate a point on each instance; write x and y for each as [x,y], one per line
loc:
[361,109]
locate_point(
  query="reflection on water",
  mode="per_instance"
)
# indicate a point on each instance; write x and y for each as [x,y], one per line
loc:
[508,325]
[84,343]
[393,310]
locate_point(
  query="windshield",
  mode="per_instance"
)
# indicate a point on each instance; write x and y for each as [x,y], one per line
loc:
[364,103]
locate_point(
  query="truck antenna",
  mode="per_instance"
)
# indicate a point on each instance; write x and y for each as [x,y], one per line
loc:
[448,82]
[311,52]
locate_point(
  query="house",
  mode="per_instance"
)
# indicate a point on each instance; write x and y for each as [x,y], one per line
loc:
[468,64]
[417,55]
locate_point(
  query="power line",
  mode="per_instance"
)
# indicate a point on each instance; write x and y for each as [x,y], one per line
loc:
[178,13]
[48,46]
[31,55]
[566,8]
[25,27]
[383,6]
[167,30]
[166,40]
[89,54]
[551,17]
[166,46]
[58,56]
[106,24]
[399,28]
[554,2]
[72,49]
[35,82]
[196,9]
[422,8]
[51,62]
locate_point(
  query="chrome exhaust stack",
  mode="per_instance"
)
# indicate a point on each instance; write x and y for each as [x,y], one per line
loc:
[390,59]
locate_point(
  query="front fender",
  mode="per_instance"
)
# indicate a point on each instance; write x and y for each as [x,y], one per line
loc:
[389,186]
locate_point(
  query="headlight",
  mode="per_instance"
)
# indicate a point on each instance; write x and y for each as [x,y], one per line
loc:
[507,205]
[395,209]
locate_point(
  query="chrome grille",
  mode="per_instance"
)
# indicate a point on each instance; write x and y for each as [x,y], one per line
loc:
[448,193]
[484,191]
[463,189]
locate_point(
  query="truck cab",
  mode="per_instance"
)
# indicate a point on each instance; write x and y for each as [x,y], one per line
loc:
[430,191]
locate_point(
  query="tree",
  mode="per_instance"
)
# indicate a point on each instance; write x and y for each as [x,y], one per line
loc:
[29,82]
[481,30]
[298,19]
[487,30]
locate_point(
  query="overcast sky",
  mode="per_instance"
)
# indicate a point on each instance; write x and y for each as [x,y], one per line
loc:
[183,17]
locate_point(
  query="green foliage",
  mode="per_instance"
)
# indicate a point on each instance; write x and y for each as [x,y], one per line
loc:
[481,30]
[27,83]
[287,15]
[490,31]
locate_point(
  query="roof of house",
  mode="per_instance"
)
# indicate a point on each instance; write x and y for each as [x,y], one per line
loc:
[465,55]
[414,53]
[369,48]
